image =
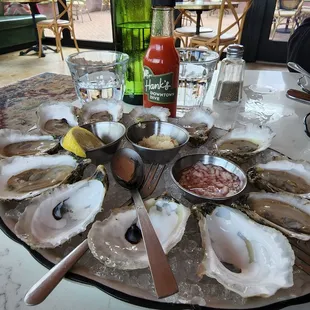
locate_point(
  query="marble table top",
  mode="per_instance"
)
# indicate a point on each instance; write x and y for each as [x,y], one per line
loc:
[19,270]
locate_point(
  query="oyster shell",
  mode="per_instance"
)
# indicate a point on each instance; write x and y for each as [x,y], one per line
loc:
[27,176]
[287,213]
[101,110]
[282,176]
[198,122]
[107,239]
[14,143]
[141,114]
[245,257]
[242,143]
[58,215]
[56,118]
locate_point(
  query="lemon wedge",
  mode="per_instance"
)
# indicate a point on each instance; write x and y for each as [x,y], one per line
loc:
[79,140]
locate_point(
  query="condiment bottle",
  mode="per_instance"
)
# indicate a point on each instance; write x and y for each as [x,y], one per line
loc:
[161,62]
[133,20]
[231,75]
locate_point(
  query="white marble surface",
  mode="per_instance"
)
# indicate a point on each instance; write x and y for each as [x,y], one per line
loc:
[19,270]
[283,115]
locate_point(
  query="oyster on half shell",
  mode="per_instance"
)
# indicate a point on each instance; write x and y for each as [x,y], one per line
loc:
[141,114]
[282,176]
[245,257]
[15,143]
[101,110]
[27,176]
[198,122]
[56,118]
[287,213]
[58,215]
[242,143]
[117,241]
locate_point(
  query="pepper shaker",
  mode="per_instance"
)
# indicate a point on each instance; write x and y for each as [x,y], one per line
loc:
[230,79]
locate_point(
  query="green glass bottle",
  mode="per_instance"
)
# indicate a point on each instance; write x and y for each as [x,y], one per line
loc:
[133,19]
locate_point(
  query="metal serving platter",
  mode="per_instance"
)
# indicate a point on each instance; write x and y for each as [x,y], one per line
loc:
[136,286]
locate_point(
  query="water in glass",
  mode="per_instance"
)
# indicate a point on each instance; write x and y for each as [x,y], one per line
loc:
[196,71]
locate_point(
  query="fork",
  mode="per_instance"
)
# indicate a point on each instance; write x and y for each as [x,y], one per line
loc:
[40,290]
[302,254]
[153,175]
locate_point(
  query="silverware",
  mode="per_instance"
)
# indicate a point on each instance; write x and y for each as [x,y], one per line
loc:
[307,126]
[298,68]
[136,132]
[128,170]
[303,83]
[152,178]
[50,280]
[302,254]
[32,128]
[190,160]
[298,95]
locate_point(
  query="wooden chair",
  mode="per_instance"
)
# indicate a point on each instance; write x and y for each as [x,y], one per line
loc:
[305,13]
[185,32]
[220,39]
[79,8]
[57,25]
[286,11]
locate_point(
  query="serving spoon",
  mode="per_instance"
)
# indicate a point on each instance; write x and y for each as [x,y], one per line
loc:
[49,281]
[298,68]
[41,289]
[128,171]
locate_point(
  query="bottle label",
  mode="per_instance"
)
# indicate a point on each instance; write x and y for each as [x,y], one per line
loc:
[159,87]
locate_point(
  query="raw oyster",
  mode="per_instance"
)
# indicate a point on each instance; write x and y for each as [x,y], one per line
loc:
[58,215]
[242,143]
[287,213]
[108,240]
[247,258]
[101,110]
[198,122]
[56,118]
[14,143]
[282,176]
[141,114]
[27,176]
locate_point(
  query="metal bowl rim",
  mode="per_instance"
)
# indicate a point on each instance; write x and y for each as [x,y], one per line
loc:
[204,197]
[157,150]
[106,145]
[113,142]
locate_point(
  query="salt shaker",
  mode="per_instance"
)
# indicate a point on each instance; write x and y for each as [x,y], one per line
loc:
[230,79]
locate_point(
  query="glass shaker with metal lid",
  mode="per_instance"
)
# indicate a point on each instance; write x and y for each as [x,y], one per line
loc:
[231,75]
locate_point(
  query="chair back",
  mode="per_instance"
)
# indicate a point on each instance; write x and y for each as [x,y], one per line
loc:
[238,20]
[66,8]
[289,5]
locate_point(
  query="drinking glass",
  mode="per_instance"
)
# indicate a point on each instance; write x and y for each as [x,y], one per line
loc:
[98,74]
[196,71]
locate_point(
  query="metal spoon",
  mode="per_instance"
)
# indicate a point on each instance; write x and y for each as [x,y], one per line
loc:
[39,291]
[298,68]
[49,281]
[127,169]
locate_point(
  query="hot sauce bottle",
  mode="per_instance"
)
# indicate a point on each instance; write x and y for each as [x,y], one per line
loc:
[161,61]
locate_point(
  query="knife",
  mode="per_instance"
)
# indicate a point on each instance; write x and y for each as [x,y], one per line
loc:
[298,95]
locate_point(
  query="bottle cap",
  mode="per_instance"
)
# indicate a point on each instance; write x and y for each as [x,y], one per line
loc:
[235,50]
[170,3]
